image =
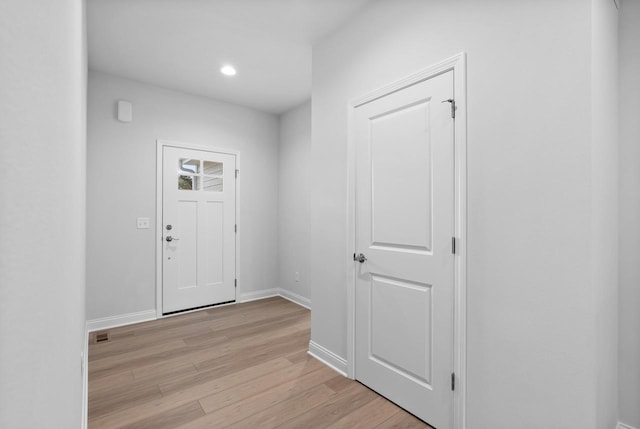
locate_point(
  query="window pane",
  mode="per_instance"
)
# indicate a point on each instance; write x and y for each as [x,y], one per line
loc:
[211,167]
[189,166]
[213,184]
[188,183]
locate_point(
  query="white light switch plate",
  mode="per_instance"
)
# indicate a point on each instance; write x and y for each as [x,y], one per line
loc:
[143,223]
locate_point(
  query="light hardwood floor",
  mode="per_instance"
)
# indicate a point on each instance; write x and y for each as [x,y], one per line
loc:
[239,366]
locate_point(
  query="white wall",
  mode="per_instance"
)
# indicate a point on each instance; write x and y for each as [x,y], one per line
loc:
[604,205]
[533,296]
[293,215]
[42,212]
[121,175]
[629,299]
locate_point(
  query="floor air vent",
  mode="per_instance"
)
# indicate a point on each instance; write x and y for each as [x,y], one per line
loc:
[102,337]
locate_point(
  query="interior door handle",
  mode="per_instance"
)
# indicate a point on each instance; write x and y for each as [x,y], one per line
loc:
[170,239]
[359,257]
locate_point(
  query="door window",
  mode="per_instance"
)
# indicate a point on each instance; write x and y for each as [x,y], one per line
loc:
[192,172]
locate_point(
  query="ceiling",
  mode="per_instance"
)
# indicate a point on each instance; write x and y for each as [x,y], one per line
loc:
[181,45]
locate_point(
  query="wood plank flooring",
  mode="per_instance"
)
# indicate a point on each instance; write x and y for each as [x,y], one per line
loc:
[239,366]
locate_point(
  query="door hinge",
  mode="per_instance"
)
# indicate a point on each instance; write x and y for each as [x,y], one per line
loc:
[235,282]
[237,172]
[453,245]
[235,228]
[453,106]
[453,381]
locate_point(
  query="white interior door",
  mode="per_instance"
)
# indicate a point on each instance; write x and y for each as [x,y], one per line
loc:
[404,227]
[198,225]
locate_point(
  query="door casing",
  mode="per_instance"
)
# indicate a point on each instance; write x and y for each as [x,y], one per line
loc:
[160,145]
[457,64]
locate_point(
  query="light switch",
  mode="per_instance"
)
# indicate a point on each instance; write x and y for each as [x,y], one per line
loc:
[143,223]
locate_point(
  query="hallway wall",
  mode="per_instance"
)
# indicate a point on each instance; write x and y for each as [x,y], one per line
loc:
[535,227]
[629,299]
[604,205]
[121,186]
[293,213]
[43,80]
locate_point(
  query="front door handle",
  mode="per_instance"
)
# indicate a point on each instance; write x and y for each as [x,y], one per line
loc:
[170,239]
[359,257]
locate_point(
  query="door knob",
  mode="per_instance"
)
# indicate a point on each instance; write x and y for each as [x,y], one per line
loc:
[359,257]
[170,239]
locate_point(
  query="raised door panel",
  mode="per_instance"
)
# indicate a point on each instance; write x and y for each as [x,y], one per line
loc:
[401,177]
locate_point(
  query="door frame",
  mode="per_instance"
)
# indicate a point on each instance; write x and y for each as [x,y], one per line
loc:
[457,64]
[160,145]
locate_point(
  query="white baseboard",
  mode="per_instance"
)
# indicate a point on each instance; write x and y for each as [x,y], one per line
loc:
[85,377]
[259,294]
[623,426]
[121,320]
[329,358]
[295,298]
[145,316]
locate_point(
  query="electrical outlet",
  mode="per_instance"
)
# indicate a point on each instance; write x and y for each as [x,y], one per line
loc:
[143,223]
[297,276]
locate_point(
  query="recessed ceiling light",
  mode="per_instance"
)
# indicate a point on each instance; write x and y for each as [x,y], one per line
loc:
[228,70]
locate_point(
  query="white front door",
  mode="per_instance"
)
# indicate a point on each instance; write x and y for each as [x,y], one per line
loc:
[404,227]
[198,225]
